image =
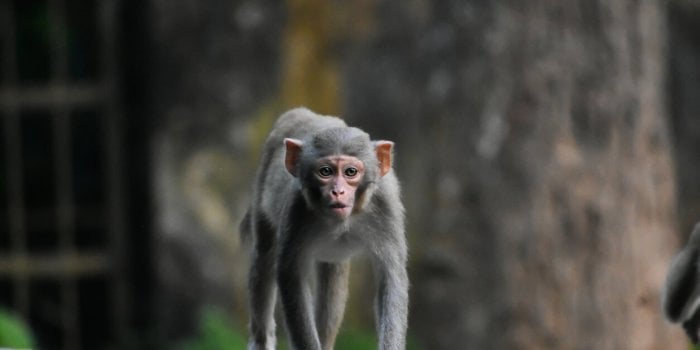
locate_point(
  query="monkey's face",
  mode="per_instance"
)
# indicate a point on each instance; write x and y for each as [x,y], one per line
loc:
[338,178]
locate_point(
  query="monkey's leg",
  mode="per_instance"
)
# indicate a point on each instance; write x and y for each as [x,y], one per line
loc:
[331,298]
[262,290]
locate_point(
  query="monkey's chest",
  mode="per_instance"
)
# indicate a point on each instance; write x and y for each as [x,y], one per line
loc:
[329,249]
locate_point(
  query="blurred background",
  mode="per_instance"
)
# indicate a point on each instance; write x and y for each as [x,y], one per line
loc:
[548,152]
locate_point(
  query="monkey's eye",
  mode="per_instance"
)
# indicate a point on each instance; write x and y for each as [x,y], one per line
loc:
[351,172]
[325,171]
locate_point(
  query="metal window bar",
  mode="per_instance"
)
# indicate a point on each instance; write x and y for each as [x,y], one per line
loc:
[64,192]
[52,96]
[116,194]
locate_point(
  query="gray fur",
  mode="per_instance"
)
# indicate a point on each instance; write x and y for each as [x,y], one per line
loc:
[295,246]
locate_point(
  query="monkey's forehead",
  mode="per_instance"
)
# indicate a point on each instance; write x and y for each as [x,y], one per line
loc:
[346,140]
[363,152]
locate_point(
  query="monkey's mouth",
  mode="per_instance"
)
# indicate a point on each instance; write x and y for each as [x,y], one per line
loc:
[340,209]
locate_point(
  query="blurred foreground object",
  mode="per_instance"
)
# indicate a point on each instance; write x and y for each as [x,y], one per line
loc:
[681,295]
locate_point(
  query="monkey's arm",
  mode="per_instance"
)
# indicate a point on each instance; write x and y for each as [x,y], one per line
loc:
[293,274]
[296,297]
[392,308]
[392,297]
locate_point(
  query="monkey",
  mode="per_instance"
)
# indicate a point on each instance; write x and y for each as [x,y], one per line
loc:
[324,192]
[681,292]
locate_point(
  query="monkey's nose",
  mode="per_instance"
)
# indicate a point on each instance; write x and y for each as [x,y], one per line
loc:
[338,192]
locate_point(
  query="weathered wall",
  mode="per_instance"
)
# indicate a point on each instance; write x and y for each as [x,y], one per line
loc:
[534,147]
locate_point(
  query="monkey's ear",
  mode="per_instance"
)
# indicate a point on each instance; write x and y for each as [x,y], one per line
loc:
[292,154]
[383,151]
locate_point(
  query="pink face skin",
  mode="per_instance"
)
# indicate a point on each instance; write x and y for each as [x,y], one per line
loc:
[339,176]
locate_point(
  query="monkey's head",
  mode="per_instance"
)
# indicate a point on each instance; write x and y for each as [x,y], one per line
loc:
[338,168]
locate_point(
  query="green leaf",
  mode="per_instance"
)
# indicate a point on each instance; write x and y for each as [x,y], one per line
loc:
[14,333]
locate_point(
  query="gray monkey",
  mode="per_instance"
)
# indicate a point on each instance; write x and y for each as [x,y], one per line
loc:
[324,193]
[681,294]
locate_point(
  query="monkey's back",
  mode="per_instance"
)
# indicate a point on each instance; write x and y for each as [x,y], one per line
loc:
[299,123]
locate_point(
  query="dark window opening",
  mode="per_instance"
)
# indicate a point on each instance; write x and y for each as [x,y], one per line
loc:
[32,41]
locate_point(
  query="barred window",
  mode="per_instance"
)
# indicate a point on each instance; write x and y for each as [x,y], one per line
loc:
[63,217]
